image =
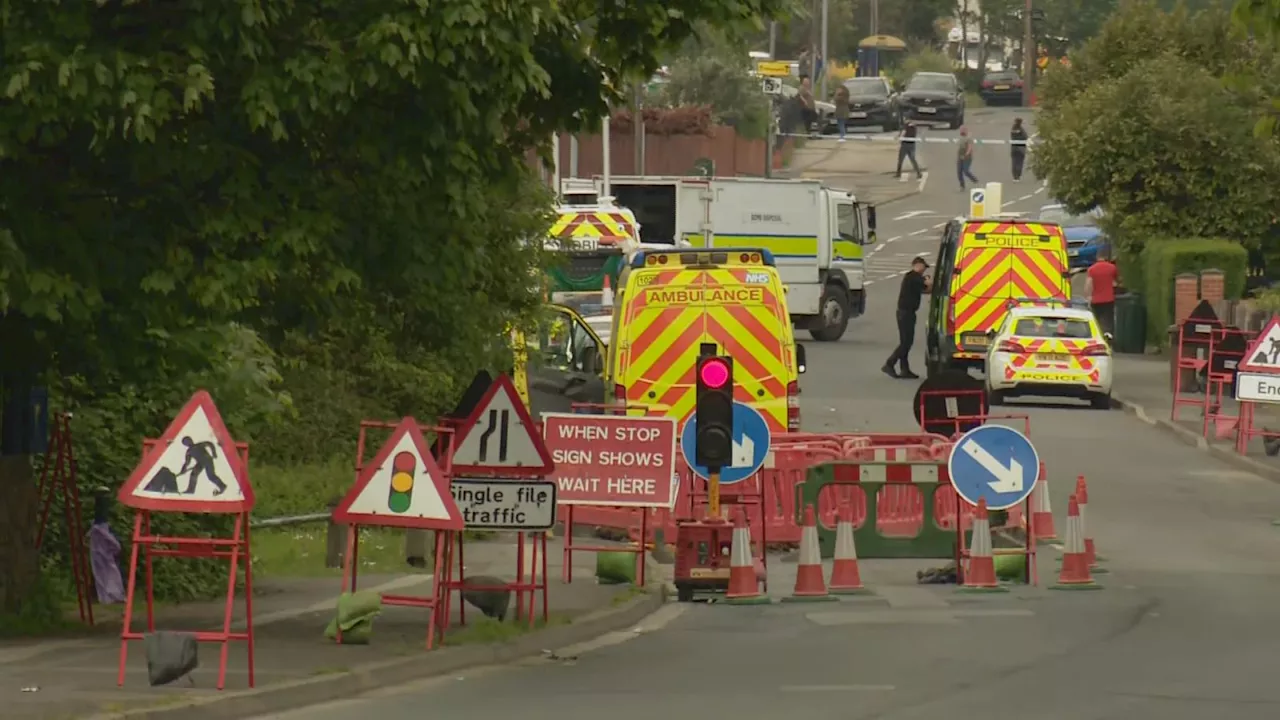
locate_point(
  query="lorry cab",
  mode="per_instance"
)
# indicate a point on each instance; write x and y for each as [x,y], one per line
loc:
[814,233]
[984,267]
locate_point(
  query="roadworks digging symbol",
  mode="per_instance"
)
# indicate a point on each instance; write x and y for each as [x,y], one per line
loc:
[193,467]
[401,487]
[1263,354]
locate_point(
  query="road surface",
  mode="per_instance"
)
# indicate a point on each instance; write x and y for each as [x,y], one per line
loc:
[1187,627]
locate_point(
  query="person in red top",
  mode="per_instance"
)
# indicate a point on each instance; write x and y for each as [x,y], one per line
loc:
[1101,288]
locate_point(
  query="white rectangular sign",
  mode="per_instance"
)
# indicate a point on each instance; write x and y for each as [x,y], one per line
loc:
[1258,387]
[506,504]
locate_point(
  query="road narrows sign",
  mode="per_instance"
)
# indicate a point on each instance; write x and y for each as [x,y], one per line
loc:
[194,467]
[401,487]
[499,438]
[1263,355]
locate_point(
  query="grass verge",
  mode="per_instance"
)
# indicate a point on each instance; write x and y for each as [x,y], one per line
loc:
[487,630]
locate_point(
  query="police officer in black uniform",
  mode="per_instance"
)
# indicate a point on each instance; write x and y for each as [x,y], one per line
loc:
[914,284]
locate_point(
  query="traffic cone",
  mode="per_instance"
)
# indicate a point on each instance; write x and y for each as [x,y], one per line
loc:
[809,584]
[980,574]
[846,579]
[744,583]
[1082,497]
[1075,560]
[1042,511]
[606,296]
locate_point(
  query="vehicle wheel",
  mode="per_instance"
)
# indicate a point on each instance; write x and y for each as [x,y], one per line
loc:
[684,593]
[995,397]
[833,315]
[1100,401]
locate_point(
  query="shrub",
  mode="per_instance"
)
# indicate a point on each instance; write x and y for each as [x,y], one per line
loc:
[920,61]
[1164,259]
[682,120]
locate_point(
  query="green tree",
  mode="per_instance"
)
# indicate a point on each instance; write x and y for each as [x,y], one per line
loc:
[715,71]
[348,174]
[1261,18]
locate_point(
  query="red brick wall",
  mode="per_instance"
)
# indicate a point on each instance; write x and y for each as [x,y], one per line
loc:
[670,154]
[1186,295]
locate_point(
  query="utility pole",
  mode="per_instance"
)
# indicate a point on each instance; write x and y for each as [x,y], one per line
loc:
[964,35]
[637,126]
[773,40]
[1028,55]
[826,8]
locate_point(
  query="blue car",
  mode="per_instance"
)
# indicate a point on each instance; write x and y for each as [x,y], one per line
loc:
[1084,238]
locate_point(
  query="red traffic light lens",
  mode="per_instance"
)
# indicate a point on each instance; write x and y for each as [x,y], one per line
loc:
[715,373]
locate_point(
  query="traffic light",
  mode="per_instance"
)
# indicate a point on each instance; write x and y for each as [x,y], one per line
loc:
[714,410]
[401,495]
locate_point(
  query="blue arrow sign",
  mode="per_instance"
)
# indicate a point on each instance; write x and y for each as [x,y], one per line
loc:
[995,463]
[751,440]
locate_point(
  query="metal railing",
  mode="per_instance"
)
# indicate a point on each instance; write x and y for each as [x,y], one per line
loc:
[289,520]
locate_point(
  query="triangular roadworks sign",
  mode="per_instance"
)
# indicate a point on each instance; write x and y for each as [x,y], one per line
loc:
[401,487]
[1263,355]
[194,467]
[500,437]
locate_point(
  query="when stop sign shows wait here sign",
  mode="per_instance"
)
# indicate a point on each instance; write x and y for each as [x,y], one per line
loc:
[612,459]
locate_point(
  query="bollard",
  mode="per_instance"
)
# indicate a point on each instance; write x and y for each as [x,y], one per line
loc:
[995,199]
[335,541]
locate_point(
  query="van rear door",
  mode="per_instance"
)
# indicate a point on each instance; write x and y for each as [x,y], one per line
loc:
[998,264]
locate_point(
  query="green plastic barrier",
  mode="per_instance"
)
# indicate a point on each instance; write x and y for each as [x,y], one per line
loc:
[930,542]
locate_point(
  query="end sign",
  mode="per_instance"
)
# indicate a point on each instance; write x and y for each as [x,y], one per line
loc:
[612,459]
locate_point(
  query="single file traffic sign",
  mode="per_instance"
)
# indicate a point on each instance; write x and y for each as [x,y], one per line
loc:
[994,463]
[751,439]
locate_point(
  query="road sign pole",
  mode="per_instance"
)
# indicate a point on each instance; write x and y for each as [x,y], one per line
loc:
[713,495]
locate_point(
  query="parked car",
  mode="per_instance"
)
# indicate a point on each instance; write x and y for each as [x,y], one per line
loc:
[873,101]
[933,98]
[1001,88]
[1084,238]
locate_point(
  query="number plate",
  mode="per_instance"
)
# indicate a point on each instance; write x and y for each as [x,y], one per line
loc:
[975,339]
[708,573]
[1073,253]
[1052,357]
[928,110]
[1002,87]
[857,114]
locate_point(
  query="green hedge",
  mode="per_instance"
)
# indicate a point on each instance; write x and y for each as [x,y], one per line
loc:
[1164,259]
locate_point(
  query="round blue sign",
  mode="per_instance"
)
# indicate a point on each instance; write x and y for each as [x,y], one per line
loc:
[994,463]
[751,438]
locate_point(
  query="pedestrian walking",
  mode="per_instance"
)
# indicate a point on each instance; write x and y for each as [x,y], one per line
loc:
[914,285]
[1100,286]
[908,138]
[842,110]
[1018,148]
[807,107]
[964,159]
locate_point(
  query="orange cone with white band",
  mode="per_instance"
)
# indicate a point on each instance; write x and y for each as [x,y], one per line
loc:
[1082,497]
[1041,510]
[1075,560]
[846,579]
[744,584]
[810,586]
[980,573]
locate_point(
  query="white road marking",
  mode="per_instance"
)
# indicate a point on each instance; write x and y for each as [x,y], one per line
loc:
[1024,197]
[924,179]
[939,226]
[921,231]
[1038,190]
[913,213]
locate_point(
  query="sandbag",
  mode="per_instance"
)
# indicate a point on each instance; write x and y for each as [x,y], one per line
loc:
[356,612]
[170,655]
[493,603]
[615,568]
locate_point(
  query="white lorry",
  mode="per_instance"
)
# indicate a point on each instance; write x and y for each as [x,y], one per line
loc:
[816,234]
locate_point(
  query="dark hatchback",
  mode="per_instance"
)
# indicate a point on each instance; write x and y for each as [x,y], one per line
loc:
[933,98]
[872,101]
[1001,88]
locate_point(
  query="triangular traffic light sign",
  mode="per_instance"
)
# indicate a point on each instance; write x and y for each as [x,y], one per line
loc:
[194,467]
[1263,355]
[401,487]
[499,438]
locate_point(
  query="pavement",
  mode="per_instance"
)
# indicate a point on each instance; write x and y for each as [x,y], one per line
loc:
[295,664]
[1186,625]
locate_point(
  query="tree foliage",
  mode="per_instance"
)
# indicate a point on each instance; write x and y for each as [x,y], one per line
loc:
[714,71]
[1145,125]
[327,199]
[1261,18]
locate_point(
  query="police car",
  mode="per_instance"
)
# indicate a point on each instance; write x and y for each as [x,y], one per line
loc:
[1050,349]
